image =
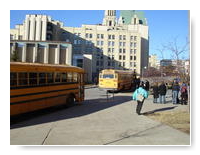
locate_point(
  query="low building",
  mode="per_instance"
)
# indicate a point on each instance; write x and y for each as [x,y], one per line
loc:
[50,52]
[153,61]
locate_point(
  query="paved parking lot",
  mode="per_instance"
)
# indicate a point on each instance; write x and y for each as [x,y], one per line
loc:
[99,122]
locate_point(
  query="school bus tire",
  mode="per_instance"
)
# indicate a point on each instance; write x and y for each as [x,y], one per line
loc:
[70,100]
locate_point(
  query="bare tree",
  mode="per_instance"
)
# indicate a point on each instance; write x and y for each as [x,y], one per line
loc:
[177,51]
[161,50]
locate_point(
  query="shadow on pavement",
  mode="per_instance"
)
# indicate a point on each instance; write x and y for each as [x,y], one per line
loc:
[158,110]
[59,113]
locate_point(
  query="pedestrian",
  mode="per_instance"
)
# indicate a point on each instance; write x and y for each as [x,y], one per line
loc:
[147,85]
[137,83]
[95,81]
[155,92]
[175,91]
[162,92]
[140,95]
[184,94]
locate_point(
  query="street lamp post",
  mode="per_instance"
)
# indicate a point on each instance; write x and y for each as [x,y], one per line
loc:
[143,71]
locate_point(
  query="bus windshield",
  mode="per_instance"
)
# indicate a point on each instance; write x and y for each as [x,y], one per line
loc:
[108,76]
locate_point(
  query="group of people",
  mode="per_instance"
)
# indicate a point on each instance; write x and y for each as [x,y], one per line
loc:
[159,93]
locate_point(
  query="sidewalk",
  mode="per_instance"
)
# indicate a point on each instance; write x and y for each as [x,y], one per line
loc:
[100,123]
[154,132]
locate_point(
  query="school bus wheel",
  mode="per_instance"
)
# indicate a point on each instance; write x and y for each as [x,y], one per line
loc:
[70,100]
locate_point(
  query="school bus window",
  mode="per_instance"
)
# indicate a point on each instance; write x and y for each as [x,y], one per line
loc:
[75,77]
[64,77]
[33,78]
[69,77]
[23,79]
[57,77]
[49,77]
[108,76]
[42,78]
[13,79]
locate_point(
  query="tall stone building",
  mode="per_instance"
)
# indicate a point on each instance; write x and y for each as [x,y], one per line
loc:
[37,28]
[115,43]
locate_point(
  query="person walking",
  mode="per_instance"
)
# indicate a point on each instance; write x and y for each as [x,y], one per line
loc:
[140,95]
[175,91]
[184,94]
[147,85]
[162,92]
[155,92]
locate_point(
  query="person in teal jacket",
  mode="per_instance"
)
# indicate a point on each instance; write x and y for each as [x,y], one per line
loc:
[140,95]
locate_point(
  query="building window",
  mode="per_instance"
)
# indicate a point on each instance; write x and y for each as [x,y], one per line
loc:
[124,37]
[134,57]
[120,50]
[135,51]
[131,57]
[124,50]
[86,35]
[113,36]
[135,44]
[113,43]
[102,36]
[120,57]
[135,38]
[134,64]
[131,44]
[98,36]
[131,37]
[11,37]
[109,36]
[20,37]
[120,37]
[124,57]
[75,42]
[109,43]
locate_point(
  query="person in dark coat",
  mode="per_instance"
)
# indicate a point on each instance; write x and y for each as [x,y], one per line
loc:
[147,85]
[175,91]
[162,92]
[137,83]
[184,94]
[155,93]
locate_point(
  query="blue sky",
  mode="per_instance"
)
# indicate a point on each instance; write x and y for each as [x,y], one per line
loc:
[164,25]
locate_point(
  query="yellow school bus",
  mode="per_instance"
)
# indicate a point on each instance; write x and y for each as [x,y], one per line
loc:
[35,86]
[116,79]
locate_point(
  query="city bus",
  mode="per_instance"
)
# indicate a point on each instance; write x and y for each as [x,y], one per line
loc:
[35,86]
[116,80]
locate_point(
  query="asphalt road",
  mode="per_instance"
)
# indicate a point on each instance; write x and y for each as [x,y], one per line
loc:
[98,121]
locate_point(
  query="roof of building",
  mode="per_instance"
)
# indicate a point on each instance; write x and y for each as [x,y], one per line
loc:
[128,14]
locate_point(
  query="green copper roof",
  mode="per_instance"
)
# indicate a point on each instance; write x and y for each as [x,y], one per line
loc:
[128,14]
